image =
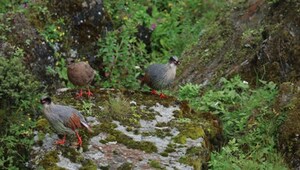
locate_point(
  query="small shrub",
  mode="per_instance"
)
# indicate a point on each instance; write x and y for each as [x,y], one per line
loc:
[249,123]
[190,92]
[17,85]
[18,100]
[16,141]
[122,59]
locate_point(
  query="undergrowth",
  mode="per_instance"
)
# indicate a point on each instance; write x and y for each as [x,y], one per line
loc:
[18,101]
[168,27]
[249,123]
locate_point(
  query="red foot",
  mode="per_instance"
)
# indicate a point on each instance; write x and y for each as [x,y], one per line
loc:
[79,139]
[162,96]
[61,141]
[89,93]
[153,92]
[79,95]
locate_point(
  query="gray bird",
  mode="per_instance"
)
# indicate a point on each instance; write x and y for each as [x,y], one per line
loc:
[80,74]
[160,76]
[64,119]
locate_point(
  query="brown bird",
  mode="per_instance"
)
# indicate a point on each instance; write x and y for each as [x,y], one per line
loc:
[160,76]
[80,74]
[64,119]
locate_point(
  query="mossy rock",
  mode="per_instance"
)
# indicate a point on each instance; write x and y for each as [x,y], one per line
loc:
[133,127]
[289,140]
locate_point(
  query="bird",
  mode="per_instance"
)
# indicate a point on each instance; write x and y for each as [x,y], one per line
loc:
[80,74]
[64,119]
[160,76]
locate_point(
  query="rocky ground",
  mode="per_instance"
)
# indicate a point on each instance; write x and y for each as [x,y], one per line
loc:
[132,130]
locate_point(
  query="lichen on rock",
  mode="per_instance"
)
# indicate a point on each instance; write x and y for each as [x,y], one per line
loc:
[141,136]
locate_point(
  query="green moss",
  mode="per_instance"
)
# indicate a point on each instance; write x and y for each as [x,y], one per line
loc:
[162,124]
[42,125]
[119,109]
[163,132]
[170,148]
[156,164]
[88,165]
[41,136]
[180,138]
[146,114]
[126,166]
[290,126]
[115,135]
[252,36]
[197,164]
[49,161]
[188,131]
[164,154]
[104,167]
[194,132]
[72,154]
[192,157]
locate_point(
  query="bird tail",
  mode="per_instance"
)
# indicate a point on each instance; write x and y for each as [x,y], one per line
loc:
[87,127]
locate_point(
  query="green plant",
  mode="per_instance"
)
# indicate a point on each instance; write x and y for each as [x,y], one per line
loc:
[156,164]
[254,150]
[87,107]
[173,24]
[17,85]
[53,32]
[4,27]
[18,100]
[190,92]
[60,69]
[16,141]
[119,109]
[122,59]
[248,120]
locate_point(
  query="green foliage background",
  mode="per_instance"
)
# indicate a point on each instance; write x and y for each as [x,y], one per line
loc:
[249,123]
[18,100]
[176,25]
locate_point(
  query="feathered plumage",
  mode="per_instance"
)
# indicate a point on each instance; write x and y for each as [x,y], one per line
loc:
[64,119]
[160,76]
[80,74]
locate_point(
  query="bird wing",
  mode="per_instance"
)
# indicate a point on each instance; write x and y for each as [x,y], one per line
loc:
[71,117]
[90,72]
[156,73]
[68,116]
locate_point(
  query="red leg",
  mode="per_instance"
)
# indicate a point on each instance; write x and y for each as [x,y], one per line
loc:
[79,95]
[153,91]
[89,93]
[162,96]
[61,141]
[79,139]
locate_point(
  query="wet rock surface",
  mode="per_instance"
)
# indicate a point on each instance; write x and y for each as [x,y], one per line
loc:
[38,52]
[132,129]
[289,132]
[87,21]
[256,40]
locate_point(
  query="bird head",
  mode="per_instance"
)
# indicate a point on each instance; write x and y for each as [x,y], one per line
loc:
[70,61]
[46,100]
[174,60]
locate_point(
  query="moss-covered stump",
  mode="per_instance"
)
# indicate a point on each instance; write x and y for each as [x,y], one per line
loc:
[132,130]
[288,103]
